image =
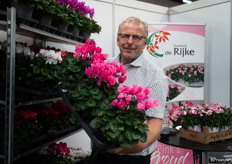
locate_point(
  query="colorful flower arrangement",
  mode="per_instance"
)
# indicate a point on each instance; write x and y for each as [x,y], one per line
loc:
[186,73]
[213,115]
[173,91]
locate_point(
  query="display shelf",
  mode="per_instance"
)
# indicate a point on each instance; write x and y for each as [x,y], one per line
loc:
[39,101]
[26,96]
[14,25]
[42,141]
[39,34]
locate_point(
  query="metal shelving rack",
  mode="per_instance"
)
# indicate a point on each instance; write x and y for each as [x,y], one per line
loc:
[10,86]
[11,29]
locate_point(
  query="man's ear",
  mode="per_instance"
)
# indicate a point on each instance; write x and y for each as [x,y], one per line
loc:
[146,41]
[117,41]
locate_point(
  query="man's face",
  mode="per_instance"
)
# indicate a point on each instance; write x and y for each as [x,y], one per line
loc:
[131,41]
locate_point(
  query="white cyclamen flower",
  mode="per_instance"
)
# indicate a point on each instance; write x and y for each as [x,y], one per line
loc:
[19,48]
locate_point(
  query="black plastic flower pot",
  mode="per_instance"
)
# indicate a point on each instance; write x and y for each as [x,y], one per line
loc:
[74,30]
[23,10]
[84,34]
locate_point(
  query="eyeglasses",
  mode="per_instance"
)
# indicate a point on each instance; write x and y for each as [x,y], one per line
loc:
[135,38]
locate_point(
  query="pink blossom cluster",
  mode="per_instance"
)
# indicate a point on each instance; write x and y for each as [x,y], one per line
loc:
[107,72]
[126,94]
[59,149]
[79,7]
[188,108]
[99,69]
[87,50]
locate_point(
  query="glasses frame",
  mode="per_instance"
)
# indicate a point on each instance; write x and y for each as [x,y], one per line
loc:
[127,37]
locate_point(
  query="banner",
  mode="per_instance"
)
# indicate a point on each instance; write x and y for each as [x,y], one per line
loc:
[165,154]
[179,49]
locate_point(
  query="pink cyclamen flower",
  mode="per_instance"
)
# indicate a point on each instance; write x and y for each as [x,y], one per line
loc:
[114,103]
[121,79]
[111,80]
[121,95]
[128,98]
[121,104]
[140,106]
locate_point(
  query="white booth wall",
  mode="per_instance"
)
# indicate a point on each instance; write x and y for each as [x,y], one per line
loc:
[216,15]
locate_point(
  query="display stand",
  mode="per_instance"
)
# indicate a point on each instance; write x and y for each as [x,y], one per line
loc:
[10,151]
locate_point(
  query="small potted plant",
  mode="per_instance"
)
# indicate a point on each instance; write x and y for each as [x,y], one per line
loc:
[214,116]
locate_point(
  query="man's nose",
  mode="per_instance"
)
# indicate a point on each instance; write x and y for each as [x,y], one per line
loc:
[130,40]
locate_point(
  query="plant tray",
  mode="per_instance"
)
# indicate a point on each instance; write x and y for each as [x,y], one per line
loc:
[205,137]
[99,141]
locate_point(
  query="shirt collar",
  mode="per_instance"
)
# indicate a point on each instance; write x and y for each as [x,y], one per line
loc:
[137,62]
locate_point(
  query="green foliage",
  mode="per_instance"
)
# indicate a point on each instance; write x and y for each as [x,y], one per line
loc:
[61,13]
[123,126]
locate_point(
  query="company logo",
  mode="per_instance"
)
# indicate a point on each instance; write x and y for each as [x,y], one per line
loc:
[153,41]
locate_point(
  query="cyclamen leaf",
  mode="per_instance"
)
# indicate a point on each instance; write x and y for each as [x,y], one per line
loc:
[105,127]
[121,128]
[98,97]
[127,144]
[76,95]
[128,135]
[119,120]
[94,91]
[95,123]
[111,135]
[100,112]
[143,138]
[134,134]
[91,102]
[113,128]
[105,104]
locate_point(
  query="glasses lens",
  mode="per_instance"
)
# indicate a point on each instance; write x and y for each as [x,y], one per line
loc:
[135,38]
